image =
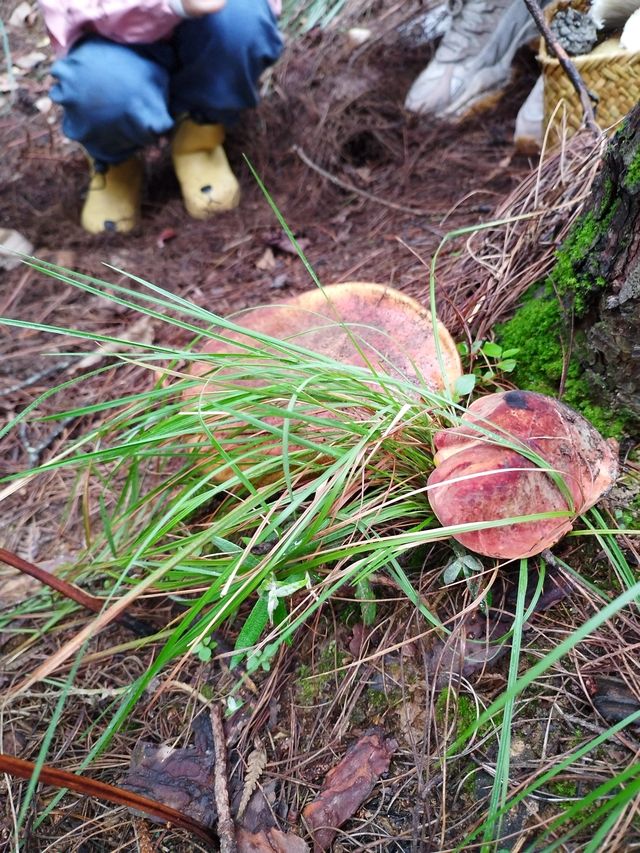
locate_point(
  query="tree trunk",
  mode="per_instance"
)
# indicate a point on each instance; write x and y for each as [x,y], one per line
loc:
[602,256]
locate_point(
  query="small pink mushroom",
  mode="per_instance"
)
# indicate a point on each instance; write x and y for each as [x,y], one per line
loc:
[477,479]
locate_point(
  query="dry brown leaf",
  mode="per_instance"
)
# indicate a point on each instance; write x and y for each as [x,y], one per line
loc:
[12,241]
[30,60]
[89,787]
[179,778]
[20,14]
[267,261]
[472,646]
[270,841]
[347,786]
[13,590]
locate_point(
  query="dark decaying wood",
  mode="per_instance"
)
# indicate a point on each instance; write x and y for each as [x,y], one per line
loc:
[608,339]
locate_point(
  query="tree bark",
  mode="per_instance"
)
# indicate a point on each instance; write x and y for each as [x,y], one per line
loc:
[607,297]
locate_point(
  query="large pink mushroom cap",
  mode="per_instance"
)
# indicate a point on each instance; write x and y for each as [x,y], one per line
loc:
[477,479]
[359,323]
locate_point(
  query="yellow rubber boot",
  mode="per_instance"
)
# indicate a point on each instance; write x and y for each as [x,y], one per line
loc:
[207,182]
[113,198]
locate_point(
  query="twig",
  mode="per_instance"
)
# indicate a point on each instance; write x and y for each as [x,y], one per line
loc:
[34,451]
[226,829]
[69,590]
[586,97]
[36,377]
[112,794]
[414,211]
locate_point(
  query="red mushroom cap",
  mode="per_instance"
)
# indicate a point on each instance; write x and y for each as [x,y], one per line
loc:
[478,479]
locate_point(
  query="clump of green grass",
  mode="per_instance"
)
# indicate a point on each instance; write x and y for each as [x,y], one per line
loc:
[273,495]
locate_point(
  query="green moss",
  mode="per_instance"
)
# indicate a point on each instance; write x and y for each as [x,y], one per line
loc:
[538,331]
[632,178]
[379,700]
[571,276]
[330,660]
[578,395]
[307,688]
[564,788]
[462,711]
[629,516]
[564,277]
[312,683]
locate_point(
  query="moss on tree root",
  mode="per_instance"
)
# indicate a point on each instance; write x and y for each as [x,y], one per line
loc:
[539,331]
[568,328]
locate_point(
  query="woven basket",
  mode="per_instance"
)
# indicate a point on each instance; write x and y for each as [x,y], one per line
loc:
[613,76]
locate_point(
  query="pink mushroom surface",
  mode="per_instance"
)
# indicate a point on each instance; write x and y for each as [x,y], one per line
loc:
[477,479]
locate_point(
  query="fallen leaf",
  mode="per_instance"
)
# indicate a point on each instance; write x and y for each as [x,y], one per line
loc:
[60,257]
[357,36]
[471,646]
[613,699]
[259,814]
[20,14]
[256,762]
[411,716]
[15,590]
[12,241]
[279,281]
[8,83]
[43,104]
[347,786]
[89,787]
[359,634]
[267,261]
[12,742]
[270,841]
[364,173]
[29,60]
[279,240]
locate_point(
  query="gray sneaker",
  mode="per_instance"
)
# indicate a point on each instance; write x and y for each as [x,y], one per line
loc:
[472,64]
[529,130]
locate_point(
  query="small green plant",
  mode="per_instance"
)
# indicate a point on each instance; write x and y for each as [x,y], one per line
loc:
[485,361]
[470,568]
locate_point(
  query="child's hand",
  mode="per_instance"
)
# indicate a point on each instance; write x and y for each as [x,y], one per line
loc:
[193,8]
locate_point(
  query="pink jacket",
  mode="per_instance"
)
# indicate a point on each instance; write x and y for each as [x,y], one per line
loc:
[125,21]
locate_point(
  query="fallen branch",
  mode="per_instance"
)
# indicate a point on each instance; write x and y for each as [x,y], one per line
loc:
[587,99]
[69,590]
[226,828]
[93,788]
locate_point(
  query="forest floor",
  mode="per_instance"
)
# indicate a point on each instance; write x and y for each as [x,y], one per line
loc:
[369,191]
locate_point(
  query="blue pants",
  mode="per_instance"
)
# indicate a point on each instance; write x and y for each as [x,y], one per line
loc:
[119,98]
